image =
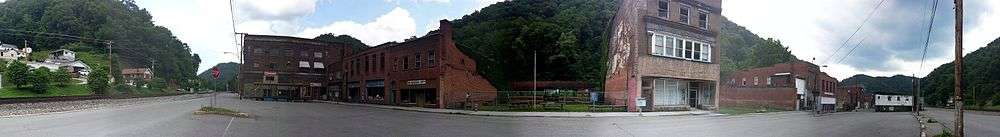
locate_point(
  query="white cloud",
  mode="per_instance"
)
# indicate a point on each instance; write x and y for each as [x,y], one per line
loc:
[275,9]
[395,25]
[202,24]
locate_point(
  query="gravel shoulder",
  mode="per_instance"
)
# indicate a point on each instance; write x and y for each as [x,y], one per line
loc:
[18,109]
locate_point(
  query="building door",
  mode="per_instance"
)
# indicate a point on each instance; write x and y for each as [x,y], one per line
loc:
[693,94]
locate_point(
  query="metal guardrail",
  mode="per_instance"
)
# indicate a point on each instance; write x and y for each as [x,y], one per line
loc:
[77,98]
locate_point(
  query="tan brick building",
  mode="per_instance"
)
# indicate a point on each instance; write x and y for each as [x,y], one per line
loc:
[665,52]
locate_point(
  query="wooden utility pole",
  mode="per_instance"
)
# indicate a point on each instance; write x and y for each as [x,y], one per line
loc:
[959,129]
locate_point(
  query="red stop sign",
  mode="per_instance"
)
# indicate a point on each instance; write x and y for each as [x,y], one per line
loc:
[215,73]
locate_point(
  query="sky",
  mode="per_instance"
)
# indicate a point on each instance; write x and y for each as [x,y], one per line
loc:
[207,27]
[891,42]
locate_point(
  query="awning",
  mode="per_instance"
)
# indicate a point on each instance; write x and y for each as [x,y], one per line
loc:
[318,64]
[303,64]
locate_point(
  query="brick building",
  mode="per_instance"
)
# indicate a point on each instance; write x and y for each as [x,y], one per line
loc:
[664,51]
[281,67]
[428,71]
[132,75]
[849,98]
[795,85]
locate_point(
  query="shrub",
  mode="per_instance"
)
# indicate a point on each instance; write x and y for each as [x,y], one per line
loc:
[39,79]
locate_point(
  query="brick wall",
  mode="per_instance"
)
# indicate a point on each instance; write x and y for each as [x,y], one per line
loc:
[780,97]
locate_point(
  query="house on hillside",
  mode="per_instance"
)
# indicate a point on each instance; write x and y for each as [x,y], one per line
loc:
[61,55]
[11,52]
[132,75]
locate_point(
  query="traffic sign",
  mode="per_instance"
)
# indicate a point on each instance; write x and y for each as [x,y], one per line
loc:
[215,73]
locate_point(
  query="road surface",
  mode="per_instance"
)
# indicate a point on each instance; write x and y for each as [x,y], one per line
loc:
[977,124]
[322,119]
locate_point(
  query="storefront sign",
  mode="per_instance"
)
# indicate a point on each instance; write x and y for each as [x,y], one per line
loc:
[374,83]
[416,82]
[640,102]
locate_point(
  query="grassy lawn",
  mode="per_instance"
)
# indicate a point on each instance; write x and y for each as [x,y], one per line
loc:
[540,108]
[54,90]
[747,110]
[220,111]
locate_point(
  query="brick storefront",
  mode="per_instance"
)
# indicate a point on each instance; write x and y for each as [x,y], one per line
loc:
[428,71]
[281,67]
[664,51]
[795,85]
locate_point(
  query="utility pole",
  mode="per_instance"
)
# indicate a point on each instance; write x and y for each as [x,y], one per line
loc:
[959,120]
[534,78]
[110,63]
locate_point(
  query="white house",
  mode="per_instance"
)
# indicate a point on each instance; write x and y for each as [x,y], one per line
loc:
[11,52]
[61,55]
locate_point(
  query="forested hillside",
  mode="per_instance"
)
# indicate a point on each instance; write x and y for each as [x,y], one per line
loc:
[569,37]
[355,44]
[742,49]
[137,42]
[227,74]
[980,77]
[895,85]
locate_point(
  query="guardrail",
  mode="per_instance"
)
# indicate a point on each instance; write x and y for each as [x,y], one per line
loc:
[77,98]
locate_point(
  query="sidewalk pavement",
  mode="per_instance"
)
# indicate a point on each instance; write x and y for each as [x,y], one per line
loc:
[532,114]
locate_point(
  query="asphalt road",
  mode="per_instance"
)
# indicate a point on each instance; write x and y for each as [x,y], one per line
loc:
[977,124]
[322,119]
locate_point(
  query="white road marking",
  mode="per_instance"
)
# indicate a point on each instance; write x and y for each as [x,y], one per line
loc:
[227,127]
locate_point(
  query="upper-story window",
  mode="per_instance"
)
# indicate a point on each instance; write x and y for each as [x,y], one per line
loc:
[663,45]
[685,11]
[768,81]
[663,10]
[416,60]
[381,62]
[258,51]
[406,62]
[702,19]
[318,54]
[755,81]
[430,58]
[289,52]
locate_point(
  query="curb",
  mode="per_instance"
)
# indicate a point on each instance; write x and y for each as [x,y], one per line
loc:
[528,114]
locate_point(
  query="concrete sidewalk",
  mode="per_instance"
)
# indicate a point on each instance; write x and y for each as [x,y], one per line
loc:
[531,114]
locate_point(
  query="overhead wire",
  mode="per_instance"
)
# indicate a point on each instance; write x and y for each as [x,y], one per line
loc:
[870,14]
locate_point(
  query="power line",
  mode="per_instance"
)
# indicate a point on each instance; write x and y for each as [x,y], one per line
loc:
[852,50]
[870,14]
[930,27]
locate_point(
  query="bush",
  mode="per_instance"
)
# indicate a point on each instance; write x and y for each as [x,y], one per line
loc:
[61,77]
[97,81]
[39,79]
[17,73]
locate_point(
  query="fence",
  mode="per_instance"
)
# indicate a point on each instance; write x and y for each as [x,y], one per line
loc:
[550,100]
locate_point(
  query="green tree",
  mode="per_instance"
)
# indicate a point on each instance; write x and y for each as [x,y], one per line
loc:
[17,74]
[61,77]
[39,79]
[97,81]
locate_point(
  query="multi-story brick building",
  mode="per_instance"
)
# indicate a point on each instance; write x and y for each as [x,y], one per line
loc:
[665,52]
[428,71]
[795,85]
[849,97]
[291,68]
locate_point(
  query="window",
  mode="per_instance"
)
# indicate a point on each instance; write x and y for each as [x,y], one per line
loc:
[678,48]
[658,41]
[256,65]
[702,19]
[744,82]
[755,81]
[663,10]
[317,54]
[318,65]
[303,64]
[688,48]
[768,81]
[289,52]
[416,60]
[684,14]
[381,62]
[697,51]
[706,53]
[258,51]
[430,58]
[406,62]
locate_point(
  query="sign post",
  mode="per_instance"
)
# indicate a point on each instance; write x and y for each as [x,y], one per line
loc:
[640,102]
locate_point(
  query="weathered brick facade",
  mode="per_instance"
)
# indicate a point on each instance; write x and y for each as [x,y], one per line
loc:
[755,87]
[287,67]
[428,72]
[637,69]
